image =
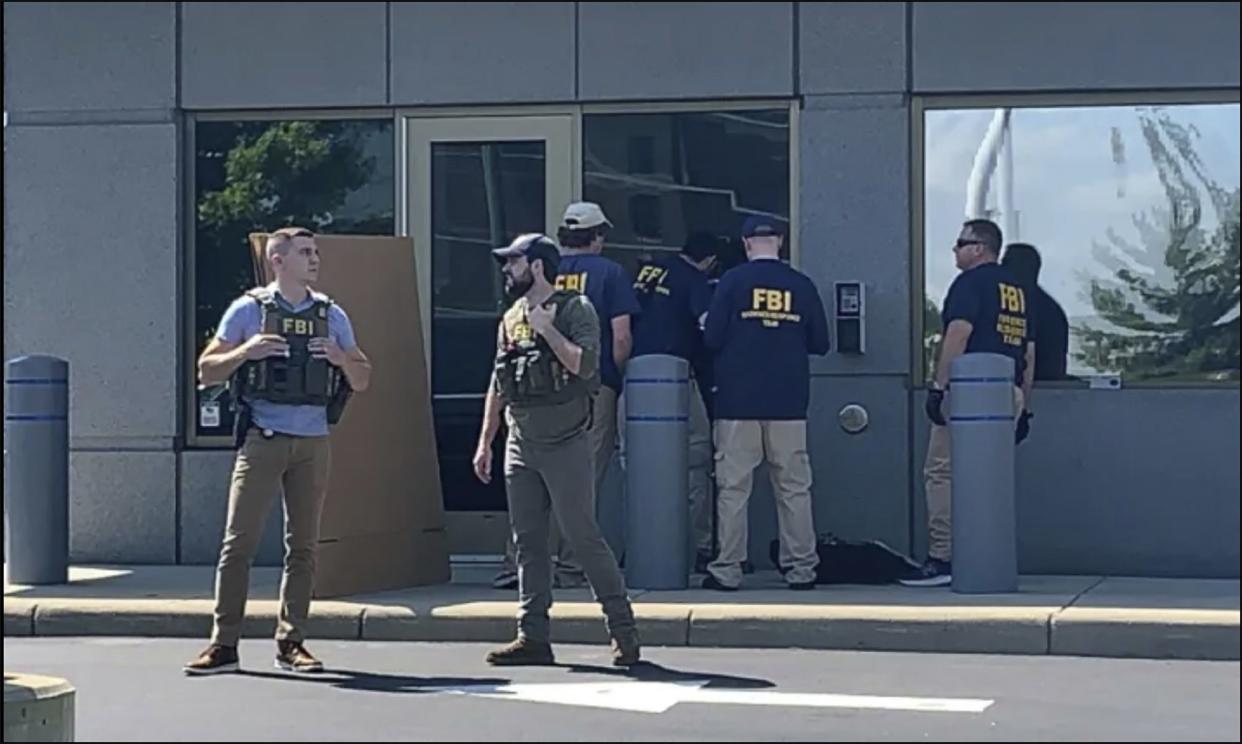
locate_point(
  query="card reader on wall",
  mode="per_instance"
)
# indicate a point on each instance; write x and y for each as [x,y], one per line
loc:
[850,312]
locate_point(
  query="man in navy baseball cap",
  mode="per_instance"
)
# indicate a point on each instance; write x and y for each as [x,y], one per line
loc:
[758,225]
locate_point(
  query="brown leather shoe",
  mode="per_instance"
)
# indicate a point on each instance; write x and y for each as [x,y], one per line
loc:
[523,652]
[215,659]
[292,656]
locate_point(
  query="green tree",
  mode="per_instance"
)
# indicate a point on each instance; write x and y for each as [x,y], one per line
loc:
[1170,308]
[933,332]
[260,176]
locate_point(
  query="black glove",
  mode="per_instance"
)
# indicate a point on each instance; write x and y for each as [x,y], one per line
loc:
[1024,427]
[935,399]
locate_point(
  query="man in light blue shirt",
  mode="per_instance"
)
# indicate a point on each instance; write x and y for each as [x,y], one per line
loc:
[290,351]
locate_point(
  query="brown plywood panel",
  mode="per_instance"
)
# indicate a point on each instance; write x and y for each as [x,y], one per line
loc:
[385,481]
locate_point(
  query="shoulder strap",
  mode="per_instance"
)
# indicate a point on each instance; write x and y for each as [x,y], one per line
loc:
[321,299]
[263,296]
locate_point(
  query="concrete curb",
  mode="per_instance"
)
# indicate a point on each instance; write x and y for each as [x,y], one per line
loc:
[1146,633]
[1018,630]
[186,618]
[1039,630]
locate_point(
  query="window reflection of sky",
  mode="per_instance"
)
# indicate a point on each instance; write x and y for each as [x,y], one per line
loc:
[1069,189]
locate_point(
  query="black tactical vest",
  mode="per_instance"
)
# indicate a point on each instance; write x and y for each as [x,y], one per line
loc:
[299,379]
[527,370]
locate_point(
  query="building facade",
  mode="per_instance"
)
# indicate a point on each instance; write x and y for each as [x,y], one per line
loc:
[144,140]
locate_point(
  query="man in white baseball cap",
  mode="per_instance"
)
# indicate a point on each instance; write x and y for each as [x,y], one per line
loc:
[584,215]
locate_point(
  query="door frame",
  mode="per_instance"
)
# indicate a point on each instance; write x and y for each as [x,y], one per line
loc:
[559,133]
[471,532]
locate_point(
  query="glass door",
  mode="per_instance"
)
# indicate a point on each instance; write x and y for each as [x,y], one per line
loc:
[474,184]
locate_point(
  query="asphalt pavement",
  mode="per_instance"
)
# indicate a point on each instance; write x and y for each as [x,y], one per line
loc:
[132,689]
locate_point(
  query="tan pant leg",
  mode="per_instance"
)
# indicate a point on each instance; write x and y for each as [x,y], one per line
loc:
[789,467]
[739,450]
[257,473]
[700,466]
[306,487]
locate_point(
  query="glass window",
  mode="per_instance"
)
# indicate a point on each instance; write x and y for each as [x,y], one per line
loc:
[1134,212]
[662,176]
[483,195]
[330,176]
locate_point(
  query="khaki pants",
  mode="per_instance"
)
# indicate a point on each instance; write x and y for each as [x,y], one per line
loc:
[740,447]
[938,483]
[263,466]
[554,482]
[699,464]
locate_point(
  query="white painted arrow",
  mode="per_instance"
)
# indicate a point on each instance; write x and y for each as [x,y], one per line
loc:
[658,697]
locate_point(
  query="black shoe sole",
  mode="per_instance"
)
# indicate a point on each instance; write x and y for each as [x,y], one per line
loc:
[549,661]
[713,584]
[803,587]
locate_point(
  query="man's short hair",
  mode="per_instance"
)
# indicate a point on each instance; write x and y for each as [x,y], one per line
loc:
[701,245]
[989,234]
[580,238]
[278,242]
[1023,261]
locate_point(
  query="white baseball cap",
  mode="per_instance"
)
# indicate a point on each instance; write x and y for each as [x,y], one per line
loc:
[583,215]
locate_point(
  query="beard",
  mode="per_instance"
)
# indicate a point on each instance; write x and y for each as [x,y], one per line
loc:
[517,286]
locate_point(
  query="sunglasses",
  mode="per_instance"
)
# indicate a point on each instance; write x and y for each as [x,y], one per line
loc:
[963,243]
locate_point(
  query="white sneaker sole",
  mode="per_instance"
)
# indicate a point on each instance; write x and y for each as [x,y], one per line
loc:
[933,581]
[287,667]
[222,669]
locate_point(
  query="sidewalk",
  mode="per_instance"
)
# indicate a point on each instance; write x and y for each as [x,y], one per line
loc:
[1063,615]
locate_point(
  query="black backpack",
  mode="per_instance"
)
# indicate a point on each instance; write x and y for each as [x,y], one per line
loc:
[847,562]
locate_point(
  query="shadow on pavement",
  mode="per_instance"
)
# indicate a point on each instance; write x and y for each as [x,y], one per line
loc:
[646,671]
[346,679]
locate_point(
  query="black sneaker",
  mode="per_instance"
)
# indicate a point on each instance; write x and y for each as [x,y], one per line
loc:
[216,659]
[523,652]
[711,582]
[701,561]
[934,572]
[802,586]
[292,656]
[506,579]
[626,652]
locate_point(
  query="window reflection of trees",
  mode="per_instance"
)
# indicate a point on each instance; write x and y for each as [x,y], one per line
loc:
[1155,294]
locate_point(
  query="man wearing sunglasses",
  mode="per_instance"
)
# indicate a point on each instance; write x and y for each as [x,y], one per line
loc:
[985,311]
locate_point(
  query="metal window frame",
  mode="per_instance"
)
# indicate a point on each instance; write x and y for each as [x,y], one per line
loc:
[921,104]
[400,116]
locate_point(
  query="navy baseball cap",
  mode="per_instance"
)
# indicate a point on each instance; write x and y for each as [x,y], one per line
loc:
[533,246]
[758,225]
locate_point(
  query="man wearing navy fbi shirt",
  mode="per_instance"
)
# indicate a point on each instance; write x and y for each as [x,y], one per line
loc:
[675,293]
[764,321]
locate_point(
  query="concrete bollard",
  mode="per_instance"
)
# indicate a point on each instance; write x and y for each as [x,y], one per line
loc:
[981,426]
[38,708]
[36,470]
[657,442]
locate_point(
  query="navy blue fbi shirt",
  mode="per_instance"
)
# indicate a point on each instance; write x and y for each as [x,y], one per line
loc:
[605,284]
[765,319]
[995,305]
[674,295]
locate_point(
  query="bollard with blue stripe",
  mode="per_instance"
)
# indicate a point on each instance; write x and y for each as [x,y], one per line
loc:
[36,470]
[657,443]
[981,426]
